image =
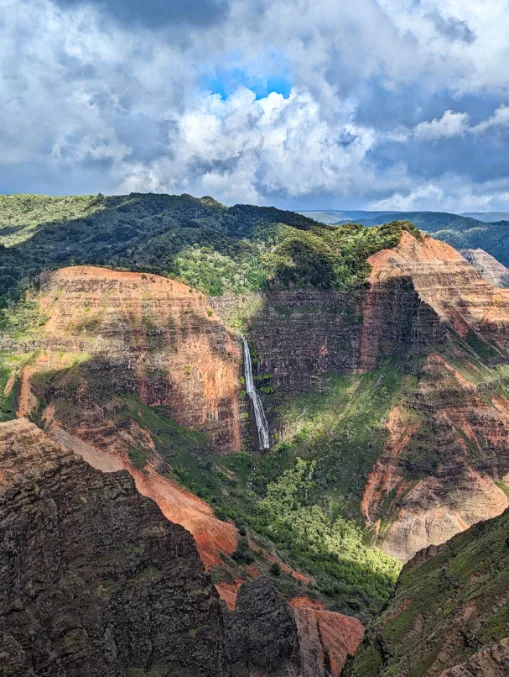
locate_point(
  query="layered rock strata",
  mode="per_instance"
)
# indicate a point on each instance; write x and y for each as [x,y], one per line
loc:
[491,270]
[449,614]
[94,580]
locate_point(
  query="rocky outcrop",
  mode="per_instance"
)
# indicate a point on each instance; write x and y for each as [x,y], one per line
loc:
[448,285]
[269,638]
[491,270]
[327,639]
[143,335]
[262,633]
[490,661]
[94,580]
[449,614]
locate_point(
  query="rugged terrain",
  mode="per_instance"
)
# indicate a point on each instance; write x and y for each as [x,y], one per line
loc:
[381,356]
[449,615]
[491,269]
[95,581]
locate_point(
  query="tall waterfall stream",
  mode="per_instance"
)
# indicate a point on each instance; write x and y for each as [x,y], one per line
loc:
[261,420]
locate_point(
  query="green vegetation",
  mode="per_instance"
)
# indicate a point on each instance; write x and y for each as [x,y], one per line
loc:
[211,247]
[343,429]
[461,592]
[281,499]
[322,542]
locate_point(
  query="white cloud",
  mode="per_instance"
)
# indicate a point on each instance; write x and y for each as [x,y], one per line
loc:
[249,147]
[450,124]
[500,118]
[127,104]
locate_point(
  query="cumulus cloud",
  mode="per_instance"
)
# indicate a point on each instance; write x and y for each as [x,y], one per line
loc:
[176,96]
[450,124]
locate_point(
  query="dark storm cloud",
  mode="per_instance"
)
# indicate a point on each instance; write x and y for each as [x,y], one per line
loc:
[154,13]
[452,28]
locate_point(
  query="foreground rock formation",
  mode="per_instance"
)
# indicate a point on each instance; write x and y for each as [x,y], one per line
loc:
[449,616]
[94,580]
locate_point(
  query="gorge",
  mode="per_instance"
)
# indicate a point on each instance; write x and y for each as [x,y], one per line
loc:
[314,404]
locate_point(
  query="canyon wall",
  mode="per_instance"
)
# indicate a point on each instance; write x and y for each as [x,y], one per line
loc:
[448,616]
[149,336]
[113,335]
[94,580]
[491,270]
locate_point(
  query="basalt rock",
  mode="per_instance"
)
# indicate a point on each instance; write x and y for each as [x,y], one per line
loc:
[94,581]
[269,638]
[492,270]
[449,614]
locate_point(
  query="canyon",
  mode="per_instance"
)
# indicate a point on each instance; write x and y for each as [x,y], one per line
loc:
[113,336]
[394,390]
[95,581]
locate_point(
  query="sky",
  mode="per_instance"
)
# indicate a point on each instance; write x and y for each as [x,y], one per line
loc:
[302,104]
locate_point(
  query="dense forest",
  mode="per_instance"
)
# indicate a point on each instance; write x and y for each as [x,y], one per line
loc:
[199,241]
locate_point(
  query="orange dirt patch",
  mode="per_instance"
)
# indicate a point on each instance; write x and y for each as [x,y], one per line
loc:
[212,536]
[334,635]
[307,603]
[228,592]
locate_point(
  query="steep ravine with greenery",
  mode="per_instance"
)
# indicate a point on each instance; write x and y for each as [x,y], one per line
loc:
[386,406]
[450,608]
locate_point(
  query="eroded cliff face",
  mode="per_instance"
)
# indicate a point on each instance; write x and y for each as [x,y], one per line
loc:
[449,615]
[327,639]
[446,449]
[428,310]
[94,580]
[114,339]
[146,335]
[491,270]
[113,336]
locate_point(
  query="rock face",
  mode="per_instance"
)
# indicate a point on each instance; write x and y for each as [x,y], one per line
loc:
[449,614]
[492,270]
[269,638]
[327,639]
[113,336]
[94,580]
[262,633]
[149,336]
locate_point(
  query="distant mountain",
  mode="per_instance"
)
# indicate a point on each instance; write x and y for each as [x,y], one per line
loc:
[488,217]
[491,237]
[462,231]
[431,222]
[428,221]
[333,217]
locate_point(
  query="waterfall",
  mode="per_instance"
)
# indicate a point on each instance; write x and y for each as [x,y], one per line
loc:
[261,419]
